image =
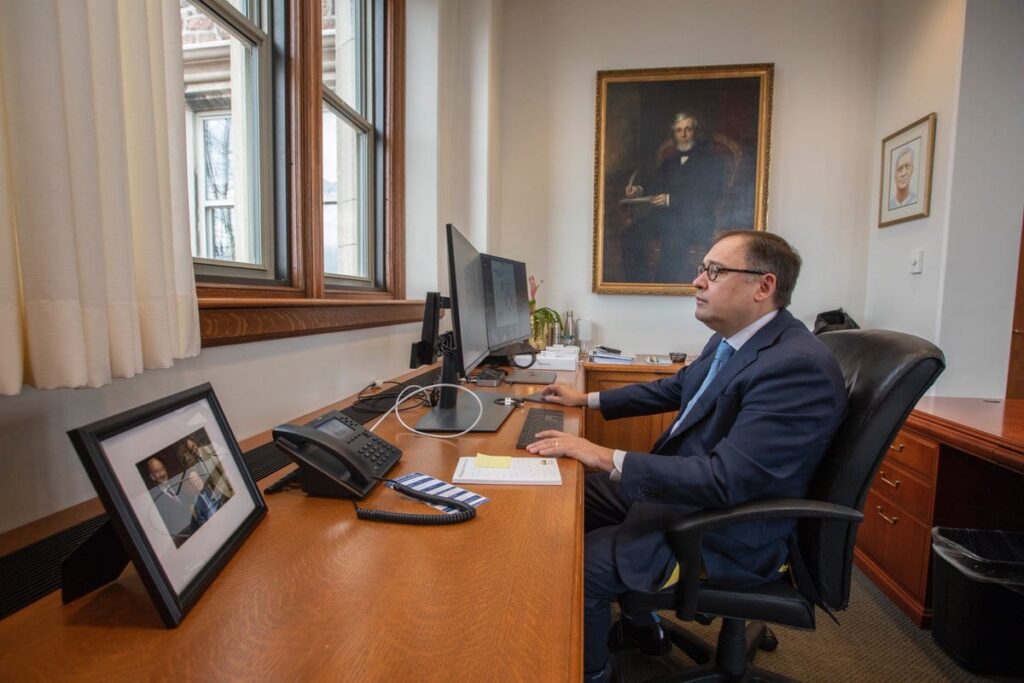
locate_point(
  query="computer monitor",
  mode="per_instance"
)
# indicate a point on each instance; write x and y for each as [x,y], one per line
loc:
[456,410]
[469,314]
[424,352]
[506,301]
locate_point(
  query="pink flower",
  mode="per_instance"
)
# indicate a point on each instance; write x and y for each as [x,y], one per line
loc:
[534,286]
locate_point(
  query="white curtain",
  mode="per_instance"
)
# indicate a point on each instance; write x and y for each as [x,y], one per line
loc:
[95,262]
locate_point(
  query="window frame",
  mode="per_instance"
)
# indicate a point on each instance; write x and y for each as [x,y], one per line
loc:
[300,302]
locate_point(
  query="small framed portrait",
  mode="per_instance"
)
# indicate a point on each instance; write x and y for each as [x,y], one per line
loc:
[176,491]
[906,191]
[681,153]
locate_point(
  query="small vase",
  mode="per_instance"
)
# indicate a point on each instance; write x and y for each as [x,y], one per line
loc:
[538,331]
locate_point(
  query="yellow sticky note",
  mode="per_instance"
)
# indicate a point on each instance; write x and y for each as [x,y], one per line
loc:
[494,462]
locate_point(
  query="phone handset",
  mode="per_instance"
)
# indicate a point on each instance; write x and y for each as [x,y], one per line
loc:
[328,447]
[337,456]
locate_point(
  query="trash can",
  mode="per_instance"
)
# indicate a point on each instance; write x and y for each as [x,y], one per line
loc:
[978,598]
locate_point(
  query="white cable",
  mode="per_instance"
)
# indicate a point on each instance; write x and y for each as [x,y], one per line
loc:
[416,389]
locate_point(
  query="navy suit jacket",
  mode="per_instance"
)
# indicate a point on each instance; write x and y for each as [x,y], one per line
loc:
[758,431]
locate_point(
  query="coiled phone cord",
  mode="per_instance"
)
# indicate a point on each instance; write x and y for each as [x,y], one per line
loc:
[467,511]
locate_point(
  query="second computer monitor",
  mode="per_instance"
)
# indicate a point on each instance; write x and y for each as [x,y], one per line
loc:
[506,301]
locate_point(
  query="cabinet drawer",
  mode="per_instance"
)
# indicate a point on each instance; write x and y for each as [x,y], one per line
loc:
[905,490]
[897,542]
[915,452]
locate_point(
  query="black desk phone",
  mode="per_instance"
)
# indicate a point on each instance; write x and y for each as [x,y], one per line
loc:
[340,458]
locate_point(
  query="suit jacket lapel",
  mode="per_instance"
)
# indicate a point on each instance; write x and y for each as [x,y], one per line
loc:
[765,337]
[695,374]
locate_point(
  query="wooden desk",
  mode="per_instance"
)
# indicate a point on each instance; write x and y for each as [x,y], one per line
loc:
[957,462]
[315,594]
[630,433]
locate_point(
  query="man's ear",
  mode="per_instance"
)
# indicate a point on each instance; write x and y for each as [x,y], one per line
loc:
[766,289]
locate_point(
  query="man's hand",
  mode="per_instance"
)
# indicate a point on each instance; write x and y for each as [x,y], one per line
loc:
[634,191]
[563,394]
[659,200]
[553,443]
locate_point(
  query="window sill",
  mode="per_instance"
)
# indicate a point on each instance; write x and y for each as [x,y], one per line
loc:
[225,321]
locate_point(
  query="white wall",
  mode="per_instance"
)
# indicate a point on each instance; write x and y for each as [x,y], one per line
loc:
[822,145]
[468,146]
[919,73]
[962,59]
[422,213]
[986,203]
[259,386]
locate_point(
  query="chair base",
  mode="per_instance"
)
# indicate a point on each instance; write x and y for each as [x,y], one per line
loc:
[738,643]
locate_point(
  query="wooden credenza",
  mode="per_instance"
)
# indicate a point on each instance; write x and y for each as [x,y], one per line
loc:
[957,462]
[630,433]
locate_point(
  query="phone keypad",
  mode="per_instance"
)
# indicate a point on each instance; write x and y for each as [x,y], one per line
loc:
[379,455]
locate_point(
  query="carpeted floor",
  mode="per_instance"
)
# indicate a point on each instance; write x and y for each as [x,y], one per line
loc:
[874,642]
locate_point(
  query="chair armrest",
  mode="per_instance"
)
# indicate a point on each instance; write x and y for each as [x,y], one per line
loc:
[773,508]
[684,536]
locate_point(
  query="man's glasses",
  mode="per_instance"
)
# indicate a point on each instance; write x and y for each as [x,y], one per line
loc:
[714,269]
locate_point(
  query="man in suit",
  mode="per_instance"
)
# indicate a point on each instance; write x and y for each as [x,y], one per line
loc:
[757,410]
[683,196]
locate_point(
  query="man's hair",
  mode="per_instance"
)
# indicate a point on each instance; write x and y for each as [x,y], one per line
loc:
[768,252]
[905,152]
[698,130]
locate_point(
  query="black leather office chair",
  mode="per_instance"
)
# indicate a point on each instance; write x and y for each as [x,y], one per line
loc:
[886,373]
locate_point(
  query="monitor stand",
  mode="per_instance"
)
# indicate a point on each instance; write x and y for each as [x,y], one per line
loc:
[461,416]
[456,410]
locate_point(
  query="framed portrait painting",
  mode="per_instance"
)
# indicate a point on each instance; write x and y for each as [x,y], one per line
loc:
[906,178]
[176,491]
[681,153]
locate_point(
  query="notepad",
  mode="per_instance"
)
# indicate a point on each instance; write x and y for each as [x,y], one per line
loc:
[493,462]
[525,471]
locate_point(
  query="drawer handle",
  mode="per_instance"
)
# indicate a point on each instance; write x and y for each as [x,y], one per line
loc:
[898,447]
[895,483]
[891,520]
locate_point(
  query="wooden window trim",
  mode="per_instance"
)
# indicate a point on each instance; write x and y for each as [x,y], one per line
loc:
[237,313]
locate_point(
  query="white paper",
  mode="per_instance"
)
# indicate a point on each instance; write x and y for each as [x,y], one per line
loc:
[536,471]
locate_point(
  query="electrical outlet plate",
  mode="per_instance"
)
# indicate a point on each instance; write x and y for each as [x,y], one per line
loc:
[917,262]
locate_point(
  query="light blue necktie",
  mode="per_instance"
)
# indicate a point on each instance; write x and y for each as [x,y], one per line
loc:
[722,355]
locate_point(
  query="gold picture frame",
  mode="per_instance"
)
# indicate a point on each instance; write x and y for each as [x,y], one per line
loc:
[905,191]
[680,154]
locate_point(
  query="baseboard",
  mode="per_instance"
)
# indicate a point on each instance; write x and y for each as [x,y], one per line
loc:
[917,612]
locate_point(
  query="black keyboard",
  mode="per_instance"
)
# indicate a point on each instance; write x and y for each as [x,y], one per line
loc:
[537,420]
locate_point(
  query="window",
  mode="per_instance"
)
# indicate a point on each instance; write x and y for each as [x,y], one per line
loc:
[227,66]
[295,155]
[348,135]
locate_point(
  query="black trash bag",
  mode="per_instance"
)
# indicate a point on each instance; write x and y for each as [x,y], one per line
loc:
[829,321]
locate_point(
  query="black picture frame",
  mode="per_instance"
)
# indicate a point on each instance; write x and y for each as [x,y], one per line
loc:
[123,456]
